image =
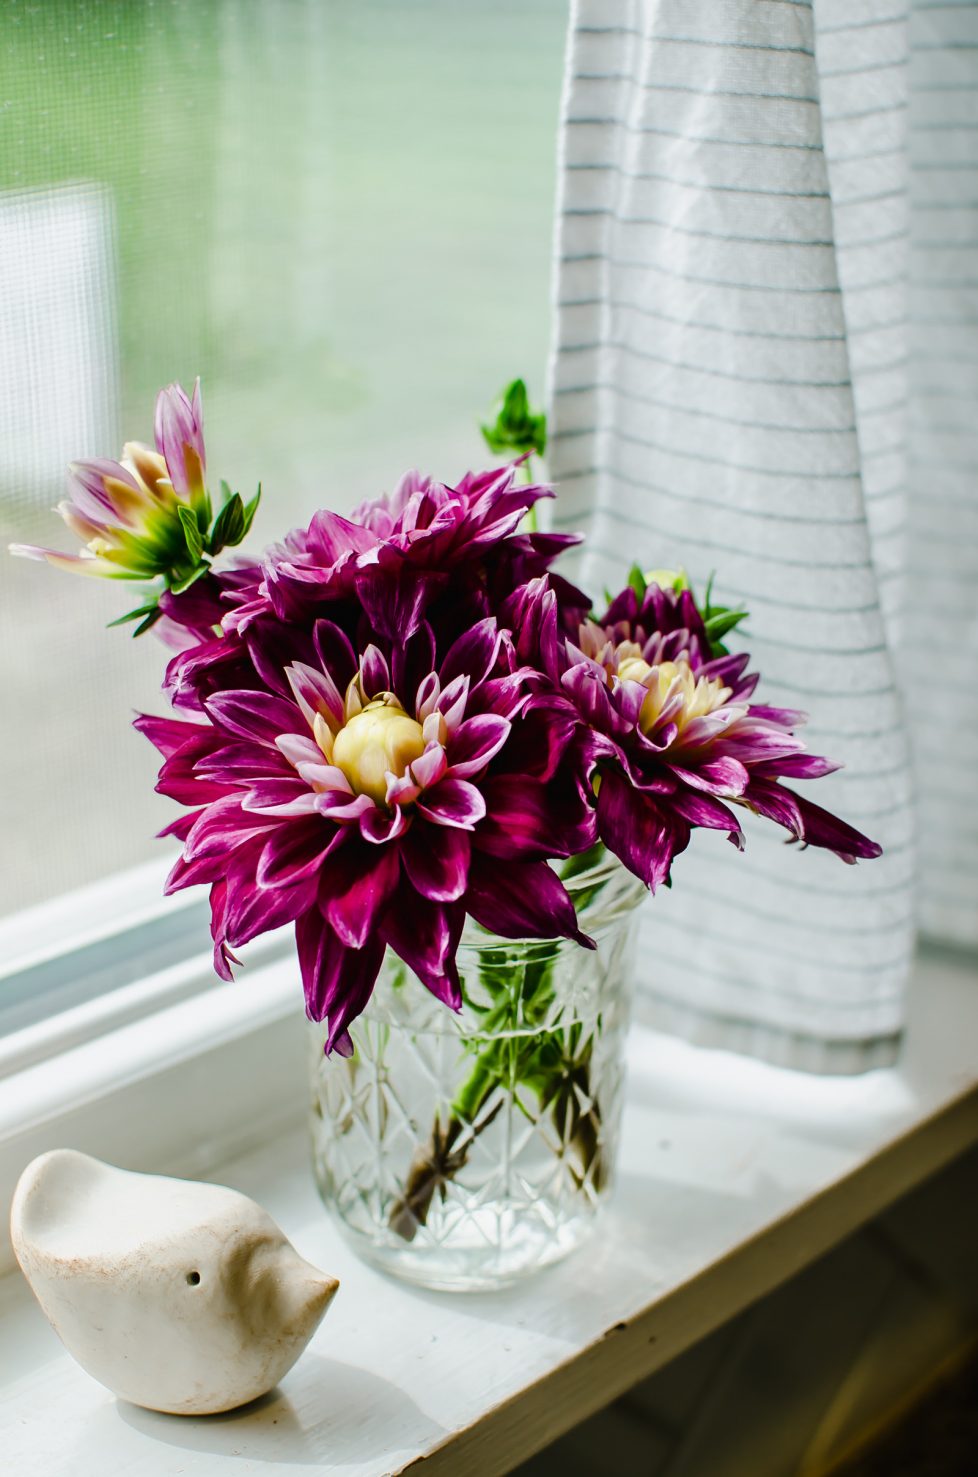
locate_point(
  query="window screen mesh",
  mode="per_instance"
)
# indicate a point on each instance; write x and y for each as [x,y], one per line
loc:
[338,215]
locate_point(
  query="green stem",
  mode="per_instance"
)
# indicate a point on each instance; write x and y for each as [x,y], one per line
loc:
[512,1047]
[530,521]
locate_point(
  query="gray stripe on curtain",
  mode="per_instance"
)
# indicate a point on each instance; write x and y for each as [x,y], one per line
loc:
[729,392]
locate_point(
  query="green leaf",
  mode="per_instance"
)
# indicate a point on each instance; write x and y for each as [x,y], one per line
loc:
[720,621]
[191,532]
[516,403]
[150,620]
[133,615]
[184,582]
[584,861]
[516,428]
[229,525]
[637,581]
[226,493]
[249,513]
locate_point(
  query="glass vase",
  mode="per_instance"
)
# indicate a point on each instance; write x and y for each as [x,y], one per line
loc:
[461,1151]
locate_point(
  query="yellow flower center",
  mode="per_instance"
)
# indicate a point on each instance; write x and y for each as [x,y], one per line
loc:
[699,695]
[379,738]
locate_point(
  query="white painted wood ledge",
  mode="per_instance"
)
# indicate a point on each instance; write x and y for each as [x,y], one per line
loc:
[735,1175]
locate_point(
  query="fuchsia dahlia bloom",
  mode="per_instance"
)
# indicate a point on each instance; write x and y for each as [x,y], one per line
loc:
[675,740]
[373,807]
[428,552]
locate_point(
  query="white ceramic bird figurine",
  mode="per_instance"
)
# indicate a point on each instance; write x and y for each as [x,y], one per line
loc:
[179,1296]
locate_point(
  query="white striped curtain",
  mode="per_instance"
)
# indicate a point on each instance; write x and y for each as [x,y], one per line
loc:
[765,364]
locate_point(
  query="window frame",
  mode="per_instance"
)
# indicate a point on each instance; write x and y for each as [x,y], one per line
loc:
[145,1057]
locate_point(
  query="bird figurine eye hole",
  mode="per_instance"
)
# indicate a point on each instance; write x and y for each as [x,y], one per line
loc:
[193,1279]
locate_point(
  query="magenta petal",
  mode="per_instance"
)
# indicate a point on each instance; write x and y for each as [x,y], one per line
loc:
[540,740]
[194,671]
[522,822]
[795,766]
[238,759]
[755,743]
[179,429]
[784,717]
[331,536]
[425,935]
[401,791]
[375,673]
[510,695]
[341,806]
[254,715]
[181,826]
[587,686]
[337,981]
[473,654]
[355,890]
[722,776]
[633,827]
[532,613]
[222,955]
[167,734]
[88,492]
[394,598]
[298,749]
[452,802]
[521,900]
[427,694]
[436,861]
[475,742]
[807,822]
[426,770]
[185,873]
[178,781]
[451,702]
[284,797]
[293,853]
[272,647]
[315,692]
[701,809]
[252,910]
[223,826]
[412,660]
[378,826]
[335,653]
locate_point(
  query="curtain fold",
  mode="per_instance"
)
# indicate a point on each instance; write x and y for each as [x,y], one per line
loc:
[764,365]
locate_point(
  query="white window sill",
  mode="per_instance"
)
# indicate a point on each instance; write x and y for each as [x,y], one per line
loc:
[735,1175]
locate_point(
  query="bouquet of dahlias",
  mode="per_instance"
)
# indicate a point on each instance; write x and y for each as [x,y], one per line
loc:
[392,722]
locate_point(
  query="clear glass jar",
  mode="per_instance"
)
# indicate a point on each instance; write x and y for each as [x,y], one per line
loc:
[463,1151]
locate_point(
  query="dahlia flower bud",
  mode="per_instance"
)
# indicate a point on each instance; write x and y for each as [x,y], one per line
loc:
[666,579]
[180,441]
[516,427]
[379,740]
[126,516]
[148,515]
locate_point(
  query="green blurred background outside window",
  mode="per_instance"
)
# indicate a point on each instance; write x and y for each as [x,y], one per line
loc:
[339,214]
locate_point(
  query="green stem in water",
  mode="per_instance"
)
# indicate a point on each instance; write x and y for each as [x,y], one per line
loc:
[553,1064]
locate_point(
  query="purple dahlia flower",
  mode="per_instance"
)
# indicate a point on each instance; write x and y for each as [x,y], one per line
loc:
[675,740]
[373,809]
[457,549]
